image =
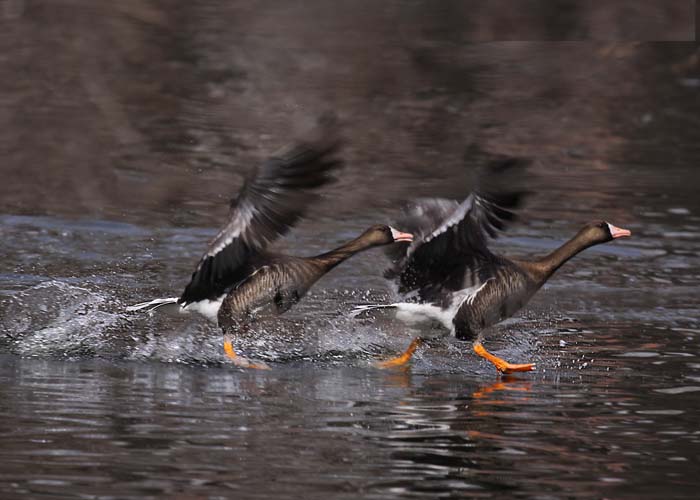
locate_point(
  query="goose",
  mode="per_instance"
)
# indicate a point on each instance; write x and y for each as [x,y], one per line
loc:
[448,275]
[237,278]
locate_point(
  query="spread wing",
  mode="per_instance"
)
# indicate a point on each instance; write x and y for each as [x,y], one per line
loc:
[450,250]
[274,197]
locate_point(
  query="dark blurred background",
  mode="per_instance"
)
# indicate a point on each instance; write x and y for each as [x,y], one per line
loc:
[151,110]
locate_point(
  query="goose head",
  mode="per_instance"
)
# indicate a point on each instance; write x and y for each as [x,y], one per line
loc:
[384,235]
[601,231]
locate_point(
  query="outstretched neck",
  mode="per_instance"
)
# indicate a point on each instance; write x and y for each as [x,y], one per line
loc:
[331,259]
[554,260]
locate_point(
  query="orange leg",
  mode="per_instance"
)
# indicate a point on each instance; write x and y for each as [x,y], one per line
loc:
[404,358]
[500,364]
[240,361]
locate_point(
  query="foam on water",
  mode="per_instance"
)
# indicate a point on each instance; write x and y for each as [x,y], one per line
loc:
[57,318]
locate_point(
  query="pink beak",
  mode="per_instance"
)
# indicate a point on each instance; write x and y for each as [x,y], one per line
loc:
[399,236]
[618,232]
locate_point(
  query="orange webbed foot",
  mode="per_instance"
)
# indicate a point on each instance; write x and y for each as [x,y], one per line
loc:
[502,365]
[401,360]
[514,368]
[240,361]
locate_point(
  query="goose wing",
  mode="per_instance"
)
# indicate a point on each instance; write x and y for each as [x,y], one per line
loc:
[273,198]
[450,250]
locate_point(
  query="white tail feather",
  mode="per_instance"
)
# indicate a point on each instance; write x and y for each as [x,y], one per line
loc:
[152,305]
[357,310]
[412,313]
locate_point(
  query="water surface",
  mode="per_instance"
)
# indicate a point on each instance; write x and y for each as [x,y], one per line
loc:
[128,129]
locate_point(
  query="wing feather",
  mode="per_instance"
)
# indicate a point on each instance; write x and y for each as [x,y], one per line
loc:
[273,198]
[451,246]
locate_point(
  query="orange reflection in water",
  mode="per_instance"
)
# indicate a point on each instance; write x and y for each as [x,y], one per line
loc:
[499,393]
[506,383]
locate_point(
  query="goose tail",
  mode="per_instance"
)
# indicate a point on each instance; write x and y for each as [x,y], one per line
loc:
[358,310]
[152,305]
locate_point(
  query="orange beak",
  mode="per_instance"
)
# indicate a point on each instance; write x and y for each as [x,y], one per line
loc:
[618,232]
[399,236]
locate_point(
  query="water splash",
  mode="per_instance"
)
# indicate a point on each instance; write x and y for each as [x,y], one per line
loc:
[57,318]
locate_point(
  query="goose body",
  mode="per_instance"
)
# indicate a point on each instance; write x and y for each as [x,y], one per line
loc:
[237,278]
[277,282]
[449,274]
[273,198]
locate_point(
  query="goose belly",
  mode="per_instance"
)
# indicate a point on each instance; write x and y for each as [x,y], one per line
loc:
[413,314]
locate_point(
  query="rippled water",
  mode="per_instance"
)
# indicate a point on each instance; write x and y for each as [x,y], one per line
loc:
[128,128]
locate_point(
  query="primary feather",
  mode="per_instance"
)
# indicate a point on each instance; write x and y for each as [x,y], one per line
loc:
[449,251]
[273,198]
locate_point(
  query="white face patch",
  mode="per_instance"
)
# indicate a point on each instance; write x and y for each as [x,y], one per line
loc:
[394,233]
[610,228]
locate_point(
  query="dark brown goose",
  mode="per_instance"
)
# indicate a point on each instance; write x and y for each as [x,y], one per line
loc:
[276,282]
[237,277]
[449,274]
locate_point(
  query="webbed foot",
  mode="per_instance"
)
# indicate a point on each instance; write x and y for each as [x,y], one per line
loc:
[240,361]
[502,365]
[403,358]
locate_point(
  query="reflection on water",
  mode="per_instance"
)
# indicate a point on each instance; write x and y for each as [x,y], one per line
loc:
[127,127]
[97,427]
